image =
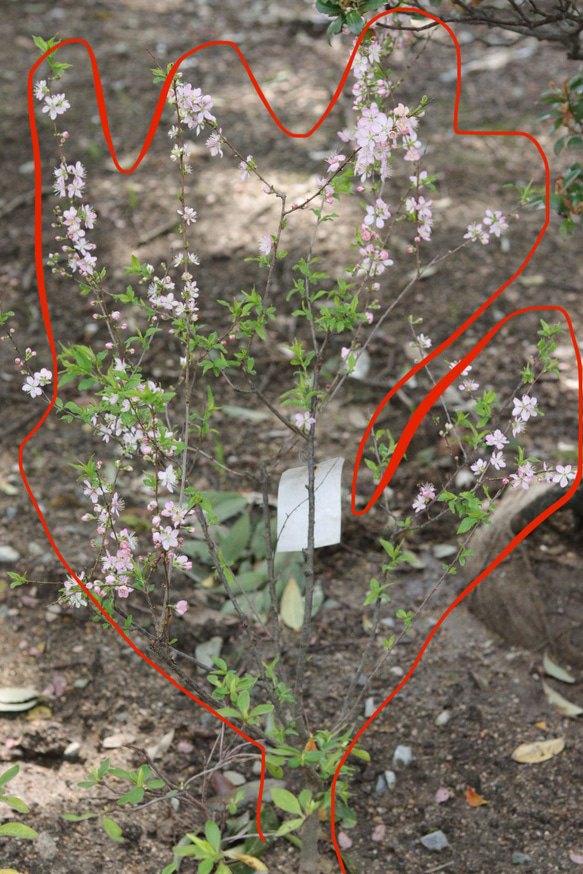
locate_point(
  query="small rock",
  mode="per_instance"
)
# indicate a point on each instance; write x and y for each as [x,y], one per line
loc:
[520,859]
[159,749]
[72,751]
[184,746]
[8,554]
[444,550]
[36,549]
[204,651]
[256,768]
[381,785]
[388,622]
[115,741]
[464,479]
[402,757]
[391,779]
[46,846]
[53,612]
[443,718]
[235,778]
[435,841]
[369,707]
[331,604]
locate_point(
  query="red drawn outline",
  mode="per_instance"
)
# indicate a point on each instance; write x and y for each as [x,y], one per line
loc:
[413,422]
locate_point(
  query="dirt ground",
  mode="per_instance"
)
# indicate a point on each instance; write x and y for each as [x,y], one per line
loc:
[94,687]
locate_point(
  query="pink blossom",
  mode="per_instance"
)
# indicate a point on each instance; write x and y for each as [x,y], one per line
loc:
[497,460]
[564,475]
[524,408]
[56,104]
[265,244]
[167,478]
[497,439]
[304,420]
[181,607]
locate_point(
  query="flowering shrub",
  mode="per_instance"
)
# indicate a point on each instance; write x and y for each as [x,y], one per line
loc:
[158,432]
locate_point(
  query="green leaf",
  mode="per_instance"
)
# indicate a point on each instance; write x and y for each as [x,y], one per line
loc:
[244,701]
[213,834]
[235,542]
[286,801]
[9,774]
[354,21]
[360,754]
[289,826]
[17,830]
[134,796]
[206,866]
[112,829]
[72,817]
[15,803]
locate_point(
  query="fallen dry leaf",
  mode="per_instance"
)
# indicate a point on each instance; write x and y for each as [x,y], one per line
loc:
[551,669]
[566,708]
[473,799]
[539,750]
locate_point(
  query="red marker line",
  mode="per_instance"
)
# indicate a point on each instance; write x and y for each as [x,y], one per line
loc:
[413,422]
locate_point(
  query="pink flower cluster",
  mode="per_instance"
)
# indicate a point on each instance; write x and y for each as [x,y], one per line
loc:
[493,223]
[161,294]
[166,538]
[194,107]
[34,384]
[425,496]
[378,134]
[54,104]
[420,209]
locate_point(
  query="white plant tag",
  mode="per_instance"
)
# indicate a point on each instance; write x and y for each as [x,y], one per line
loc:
[292,506]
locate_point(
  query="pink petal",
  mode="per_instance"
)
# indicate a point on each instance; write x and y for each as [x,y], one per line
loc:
[344,842]
[441,795]
[379,832]
[577,858]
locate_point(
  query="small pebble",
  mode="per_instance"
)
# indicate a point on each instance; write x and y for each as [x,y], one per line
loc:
[381,785]
[36,549]
[443,718]
[72,751]
[369,707]
[391,779]
[234,777]
[115,741]
[444,550]
[8,554]
[520,859]
[402,757]
[435,841]
[46,846]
